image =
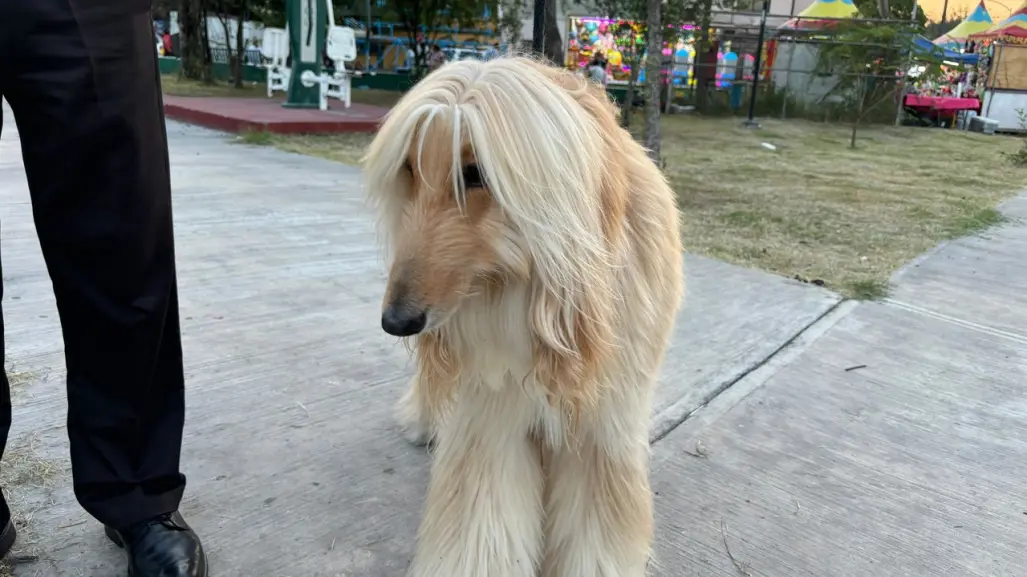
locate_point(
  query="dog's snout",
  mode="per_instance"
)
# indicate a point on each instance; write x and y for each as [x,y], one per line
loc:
[403,321]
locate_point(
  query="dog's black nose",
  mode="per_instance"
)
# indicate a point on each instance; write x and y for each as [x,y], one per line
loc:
[403,322]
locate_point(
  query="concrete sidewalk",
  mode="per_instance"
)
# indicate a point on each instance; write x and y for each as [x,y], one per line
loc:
[296,469]
[888,440]
[295,466]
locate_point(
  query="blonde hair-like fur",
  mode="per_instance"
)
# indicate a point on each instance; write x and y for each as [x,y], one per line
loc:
[549,290]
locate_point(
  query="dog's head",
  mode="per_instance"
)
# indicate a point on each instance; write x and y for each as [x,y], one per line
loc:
[499,172]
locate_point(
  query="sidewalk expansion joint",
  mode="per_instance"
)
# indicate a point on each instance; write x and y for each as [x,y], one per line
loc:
[753,377]
[1019,338]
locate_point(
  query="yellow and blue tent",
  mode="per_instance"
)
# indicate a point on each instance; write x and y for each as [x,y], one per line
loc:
[978,21]
[1013,29]
[822,14]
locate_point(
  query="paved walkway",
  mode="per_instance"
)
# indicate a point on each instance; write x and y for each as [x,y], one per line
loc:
[296,469]
[889,440]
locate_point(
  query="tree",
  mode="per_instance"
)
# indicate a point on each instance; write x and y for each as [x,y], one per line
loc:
[552,48]
[654,66]
[894,9]
[511,21]
[192,40]
[227,12]
[423,20]
[936,29]
[870,61]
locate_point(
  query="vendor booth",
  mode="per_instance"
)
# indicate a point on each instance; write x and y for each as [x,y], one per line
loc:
[1005,78]
[614,41]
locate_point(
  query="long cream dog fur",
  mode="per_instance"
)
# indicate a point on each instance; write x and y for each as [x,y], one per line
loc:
[536,267]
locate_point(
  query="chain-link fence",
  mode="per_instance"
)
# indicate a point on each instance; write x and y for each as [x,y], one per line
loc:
[794,81]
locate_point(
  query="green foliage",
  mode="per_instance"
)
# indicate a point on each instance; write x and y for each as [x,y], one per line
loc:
[870,60]
[897,10]
[1019,158]
[874,56]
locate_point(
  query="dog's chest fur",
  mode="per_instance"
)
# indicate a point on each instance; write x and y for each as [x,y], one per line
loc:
[492,342]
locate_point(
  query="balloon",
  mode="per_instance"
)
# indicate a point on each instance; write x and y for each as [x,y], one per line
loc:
[682,53]
[603,28]
[614,57]
[590,26]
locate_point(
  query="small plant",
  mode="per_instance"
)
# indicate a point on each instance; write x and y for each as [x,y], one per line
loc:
[868,289]
[1019,158]
[255,137]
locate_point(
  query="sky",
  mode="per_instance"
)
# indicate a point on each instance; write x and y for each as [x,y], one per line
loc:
[998,9]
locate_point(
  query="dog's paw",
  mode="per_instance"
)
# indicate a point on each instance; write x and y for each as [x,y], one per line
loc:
[412,421]
[417,436]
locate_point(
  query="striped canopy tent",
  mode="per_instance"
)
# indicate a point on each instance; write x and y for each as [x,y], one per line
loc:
[821,14]
[978,21]
[1012,30]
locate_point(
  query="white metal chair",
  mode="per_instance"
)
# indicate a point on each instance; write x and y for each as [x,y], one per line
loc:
[275,47]
[341,46]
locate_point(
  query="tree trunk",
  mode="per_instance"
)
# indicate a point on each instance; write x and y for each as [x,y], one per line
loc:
[190,39]
[635,62]
[653,76]
[859,109]
[553,46]
[230,53]
[240,50]
[698,70]
[208,69]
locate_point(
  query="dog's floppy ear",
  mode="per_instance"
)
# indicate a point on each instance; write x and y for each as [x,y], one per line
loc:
[574,322]
[574,336]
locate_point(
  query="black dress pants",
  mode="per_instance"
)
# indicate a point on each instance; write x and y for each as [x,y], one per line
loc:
[81,79]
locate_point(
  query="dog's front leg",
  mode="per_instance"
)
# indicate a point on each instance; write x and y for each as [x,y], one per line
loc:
[599,506]
[483,516]
[416,413]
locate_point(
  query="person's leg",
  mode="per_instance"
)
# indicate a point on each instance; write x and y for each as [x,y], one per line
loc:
[87,104]
[7,530]
[85,92]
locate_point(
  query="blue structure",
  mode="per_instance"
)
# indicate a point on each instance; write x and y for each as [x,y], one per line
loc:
[924,47]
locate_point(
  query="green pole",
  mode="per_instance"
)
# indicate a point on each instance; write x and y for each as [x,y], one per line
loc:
[306,20]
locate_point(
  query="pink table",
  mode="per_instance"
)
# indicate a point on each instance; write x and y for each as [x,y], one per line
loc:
[941,103]
[935,108]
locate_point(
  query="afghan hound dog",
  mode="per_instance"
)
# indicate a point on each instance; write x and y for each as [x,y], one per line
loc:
[536,268]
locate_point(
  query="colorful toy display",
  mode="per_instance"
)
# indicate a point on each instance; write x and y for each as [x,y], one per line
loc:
[616,40]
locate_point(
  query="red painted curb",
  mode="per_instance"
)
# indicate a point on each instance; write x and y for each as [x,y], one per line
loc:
[235,124]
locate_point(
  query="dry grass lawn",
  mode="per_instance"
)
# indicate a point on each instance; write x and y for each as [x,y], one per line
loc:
[24,472]
[813,209]
[821,211]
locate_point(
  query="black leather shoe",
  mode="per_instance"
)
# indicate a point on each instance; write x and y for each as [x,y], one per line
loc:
[164,546]
[7,534]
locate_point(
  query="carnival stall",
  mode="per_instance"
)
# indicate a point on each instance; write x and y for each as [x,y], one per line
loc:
[940,100]
[613,41]
[792,55]
[1004,80]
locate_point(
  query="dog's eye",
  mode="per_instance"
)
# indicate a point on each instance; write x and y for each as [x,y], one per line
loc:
[472,177]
